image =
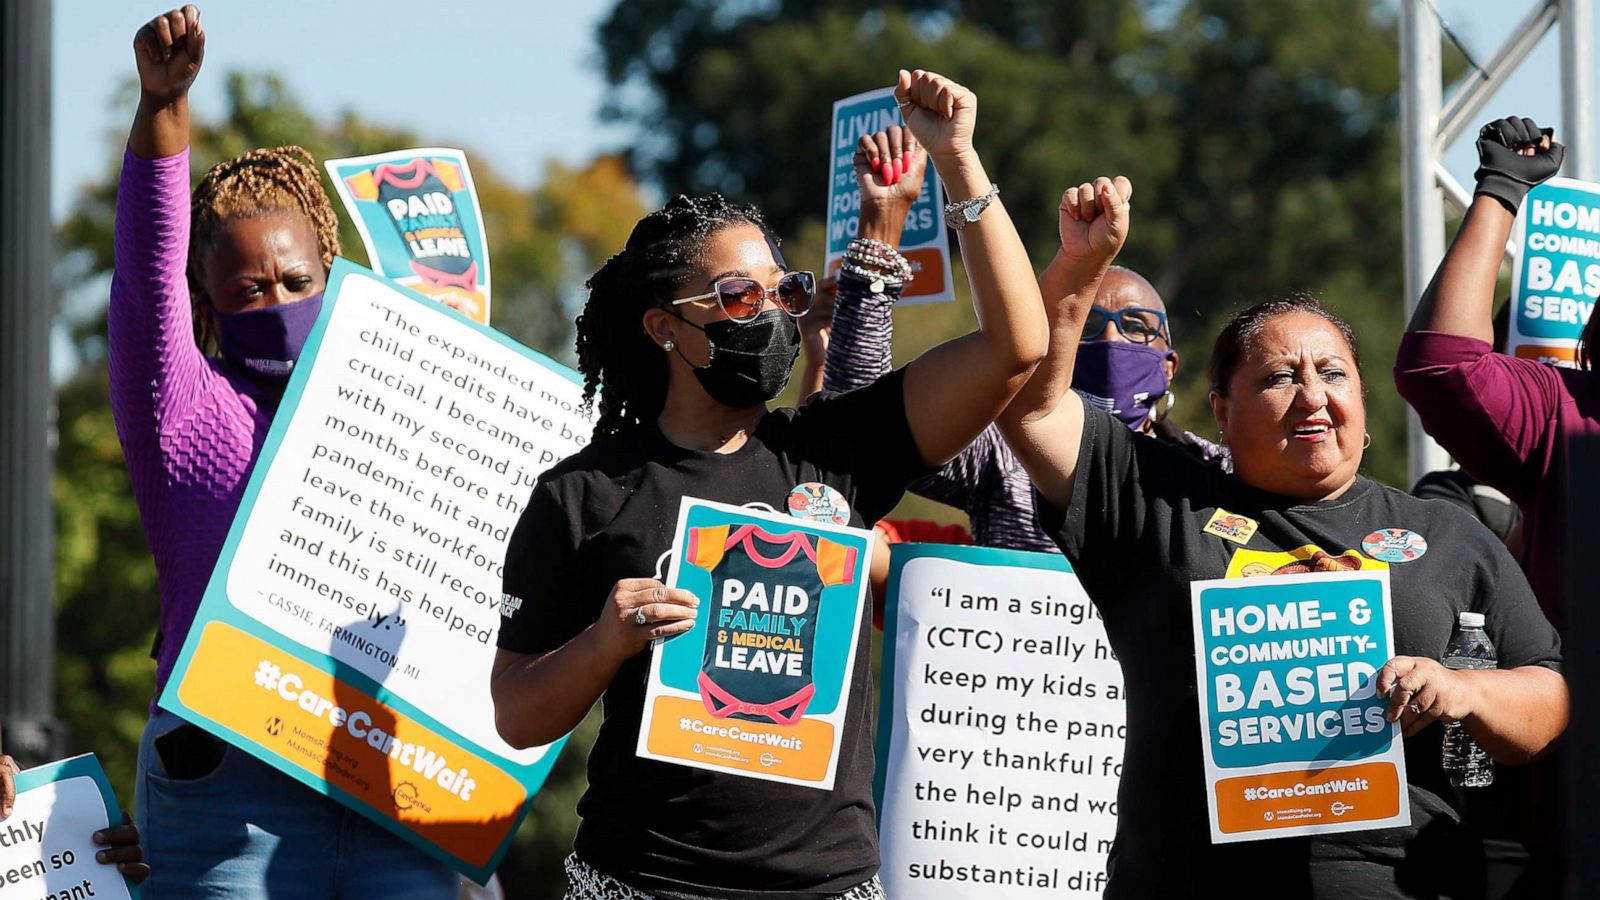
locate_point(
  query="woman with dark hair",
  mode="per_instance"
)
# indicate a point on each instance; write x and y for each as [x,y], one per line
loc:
[687,334]
[236,270]
[1141,520]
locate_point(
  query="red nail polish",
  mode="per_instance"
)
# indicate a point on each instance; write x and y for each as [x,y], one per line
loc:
[876,163]
[905,160]
[899,168]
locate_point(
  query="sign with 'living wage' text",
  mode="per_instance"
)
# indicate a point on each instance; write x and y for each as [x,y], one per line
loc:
[347,633]
[760,686]
[1000,728]
[925,243]
[47,848]
[1292,728]
[1556,278]
[418,216]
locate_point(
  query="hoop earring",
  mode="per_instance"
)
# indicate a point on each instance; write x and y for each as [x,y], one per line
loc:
[668,346]
[1366,440]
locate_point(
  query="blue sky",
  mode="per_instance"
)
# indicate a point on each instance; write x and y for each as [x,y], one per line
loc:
[521,79]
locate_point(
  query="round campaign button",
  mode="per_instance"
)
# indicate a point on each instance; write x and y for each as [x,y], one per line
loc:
[818,502]
[1395,545]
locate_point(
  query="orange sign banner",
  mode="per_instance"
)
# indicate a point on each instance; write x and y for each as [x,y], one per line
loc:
[317,722]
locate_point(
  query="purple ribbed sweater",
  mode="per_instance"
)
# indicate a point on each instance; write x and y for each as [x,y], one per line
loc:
[190,430]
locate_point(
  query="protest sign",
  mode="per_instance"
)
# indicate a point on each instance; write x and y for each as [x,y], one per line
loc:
[347,632]
[47,844]
[418,216]
[1000,729]
[1556,277]
[760,686]
[925,243]
[1292,729]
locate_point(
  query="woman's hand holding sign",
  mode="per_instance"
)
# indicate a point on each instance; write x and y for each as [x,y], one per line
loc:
[8,784]
[541,696]
[122,849]
[1422,691]
[639,611]
[1515,714]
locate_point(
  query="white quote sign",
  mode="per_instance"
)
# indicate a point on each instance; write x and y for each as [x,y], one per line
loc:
[47,847]
[348,632]
[1002,728]
[380,531]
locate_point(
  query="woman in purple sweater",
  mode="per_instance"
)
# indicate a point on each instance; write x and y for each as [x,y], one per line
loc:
[240,269]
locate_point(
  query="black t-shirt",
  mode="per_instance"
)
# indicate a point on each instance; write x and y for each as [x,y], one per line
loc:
[607,513]
[1136,534]
[1494,509]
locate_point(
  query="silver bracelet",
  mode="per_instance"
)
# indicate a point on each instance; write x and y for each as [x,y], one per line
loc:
[964,212]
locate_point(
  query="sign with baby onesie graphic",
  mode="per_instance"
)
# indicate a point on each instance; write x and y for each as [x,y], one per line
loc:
[760,686]
[417,212]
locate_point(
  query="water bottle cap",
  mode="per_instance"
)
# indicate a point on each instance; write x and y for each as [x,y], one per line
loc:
[1470,620]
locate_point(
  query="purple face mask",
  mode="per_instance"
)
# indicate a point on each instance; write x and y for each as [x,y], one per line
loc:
[266,342]
[1125,380]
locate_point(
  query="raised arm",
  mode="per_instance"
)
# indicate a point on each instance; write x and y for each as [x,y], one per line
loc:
[169,50]
[156,369]
[1514,155]
[890,168]
[956,389]
[538,697]
[1044,423]
[1491,411]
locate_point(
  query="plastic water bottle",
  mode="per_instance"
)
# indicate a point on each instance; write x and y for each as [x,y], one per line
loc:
[1466,763]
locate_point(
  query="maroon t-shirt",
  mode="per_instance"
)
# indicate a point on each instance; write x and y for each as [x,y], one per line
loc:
[1507,421]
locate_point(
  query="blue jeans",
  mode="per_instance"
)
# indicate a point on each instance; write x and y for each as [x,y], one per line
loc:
[226,825]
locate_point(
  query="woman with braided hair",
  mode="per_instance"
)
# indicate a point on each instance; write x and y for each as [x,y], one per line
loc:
[687,334]
[211,300]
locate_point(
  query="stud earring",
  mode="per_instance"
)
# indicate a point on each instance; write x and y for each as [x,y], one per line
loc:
[669,345]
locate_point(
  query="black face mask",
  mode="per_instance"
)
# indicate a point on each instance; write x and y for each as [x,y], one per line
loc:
[750,361]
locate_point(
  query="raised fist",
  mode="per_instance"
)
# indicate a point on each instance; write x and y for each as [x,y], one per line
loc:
[1514,155]
[939,112]
[890,166]
[1094,220]
[169,50]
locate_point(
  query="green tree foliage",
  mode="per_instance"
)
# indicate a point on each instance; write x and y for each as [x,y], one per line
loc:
[543,240]
[1261,138]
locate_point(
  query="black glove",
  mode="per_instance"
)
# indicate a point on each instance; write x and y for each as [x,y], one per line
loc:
[1507,175]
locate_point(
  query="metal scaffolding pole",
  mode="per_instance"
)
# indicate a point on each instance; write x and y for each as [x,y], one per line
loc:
[27,302]
[1423,209]
[1577,88]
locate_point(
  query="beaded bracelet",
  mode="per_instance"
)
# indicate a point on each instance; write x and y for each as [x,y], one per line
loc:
[876,262]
